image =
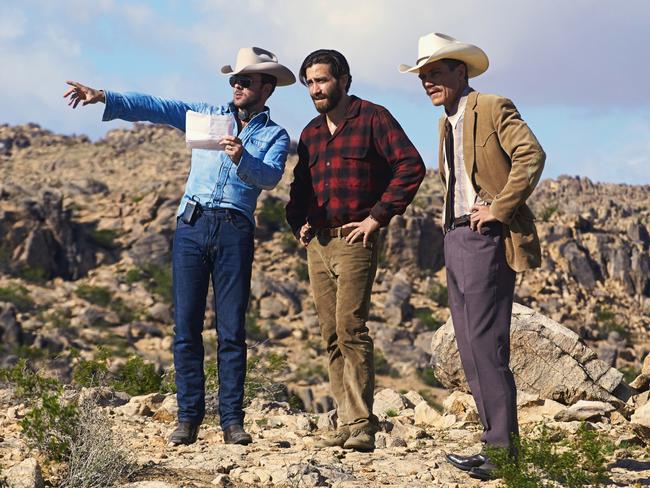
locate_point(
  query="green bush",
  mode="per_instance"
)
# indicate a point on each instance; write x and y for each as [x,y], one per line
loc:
[253,330]
[607,322]
[156,278]
[35,274]
[104,237]
[49,427]
[90,373]
[261,373]
[271,215]
[544,461]
[97,295]
[428,319]
[18,295]
[137,377]
[428,377]
[438,293]
[391,412]
[302,270]
[382,367]
[168,381]
[27,383]
[548,211]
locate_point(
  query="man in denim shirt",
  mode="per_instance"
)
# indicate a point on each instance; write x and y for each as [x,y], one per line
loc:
[217,240]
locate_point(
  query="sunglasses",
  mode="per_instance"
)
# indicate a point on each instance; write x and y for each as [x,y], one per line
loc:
[243,81]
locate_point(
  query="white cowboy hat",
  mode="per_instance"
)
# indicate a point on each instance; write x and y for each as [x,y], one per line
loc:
[434,47]
[258,60]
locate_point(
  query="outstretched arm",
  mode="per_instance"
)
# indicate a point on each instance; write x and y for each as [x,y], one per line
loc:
[134,107]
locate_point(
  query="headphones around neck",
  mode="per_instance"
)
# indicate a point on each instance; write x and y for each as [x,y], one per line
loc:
[244,115]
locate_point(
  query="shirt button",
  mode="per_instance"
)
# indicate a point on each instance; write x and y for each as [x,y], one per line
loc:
[327,163]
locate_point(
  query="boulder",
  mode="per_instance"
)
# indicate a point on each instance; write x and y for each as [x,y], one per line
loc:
[547,359]
[584,410]
[389,400]
[25,475]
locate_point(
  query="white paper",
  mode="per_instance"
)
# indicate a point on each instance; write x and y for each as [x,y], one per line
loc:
[204,131]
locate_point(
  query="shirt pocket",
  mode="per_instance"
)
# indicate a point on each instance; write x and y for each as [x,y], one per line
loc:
[355,167]
[258,147]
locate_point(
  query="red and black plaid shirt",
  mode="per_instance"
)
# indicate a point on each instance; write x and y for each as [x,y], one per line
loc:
[367,167]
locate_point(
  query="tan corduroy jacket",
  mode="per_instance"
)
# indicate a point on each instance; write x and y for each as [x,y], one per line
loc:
[504,161]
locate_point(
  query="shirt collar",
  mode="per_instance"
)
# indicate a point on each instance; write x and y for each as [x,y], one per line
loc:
[462,103]
[352,111]
[264,115]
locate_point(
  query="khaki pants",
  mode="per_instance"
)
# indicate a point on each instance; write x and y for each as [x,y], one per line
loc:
[341,277]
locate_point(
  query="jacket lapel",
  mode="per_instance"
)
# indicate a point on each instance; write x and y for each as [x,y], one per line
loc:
[469,131]
[441,154]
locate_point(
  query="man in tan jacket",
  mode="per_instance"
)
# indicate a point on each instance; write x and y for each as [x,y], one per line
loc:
[490,162]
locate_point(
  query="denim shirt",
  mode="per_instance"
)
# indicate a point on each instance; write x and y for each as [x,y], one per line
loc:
[214,180]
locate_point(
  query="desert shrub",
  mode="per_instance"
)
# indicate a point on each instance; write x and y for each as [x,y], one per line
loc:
[97,457]
[97,295]
[156,278]
[391,412]
[428,319]
[18,295]
[124,312]
[311,372]
[607,322]
[629,373]
[92,372]
[548,211]
[253,330]
[302,270]
[428,377]
[35,274]
[261,373]
[438,293]
[168,381]
[382,367]
[137,377]
[27,383]
[49,426]
[546,462]
[104,237]
[288,243]
[271,215]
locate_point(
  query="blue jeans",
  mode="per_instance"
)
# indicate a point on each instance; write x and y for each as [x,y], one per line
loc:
[218,245]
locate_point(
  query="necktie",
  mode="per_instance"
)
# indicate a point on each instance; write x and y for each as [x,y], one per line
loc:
[451,177]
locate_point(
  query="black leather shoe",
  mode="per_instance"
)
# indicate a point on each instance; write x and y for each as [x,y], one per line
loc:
[483,472]
[466,463]
[235,434]
[185,433]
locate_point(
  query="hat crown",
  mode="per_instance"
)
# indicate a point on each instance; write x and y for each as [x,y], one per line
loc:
[248,56]
[432,43]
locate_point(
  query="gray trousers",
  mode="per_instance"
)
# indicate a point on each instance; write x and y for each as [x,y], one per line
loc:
[481,289]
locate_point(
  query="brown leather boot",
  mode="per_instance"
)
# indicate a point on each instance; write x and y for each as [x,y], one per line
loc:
[235,434]
[185,433]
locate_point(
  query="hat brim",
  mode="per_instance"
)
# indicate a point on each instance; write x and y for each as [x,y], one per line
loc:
[476,60]
[283,74]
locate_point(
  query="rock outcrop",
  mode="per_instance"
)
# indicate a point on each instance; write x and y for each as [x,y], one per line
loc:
[547,359]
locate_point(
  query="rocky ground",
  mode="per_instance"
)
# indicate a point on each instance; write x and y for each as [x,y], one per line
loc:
[86,235]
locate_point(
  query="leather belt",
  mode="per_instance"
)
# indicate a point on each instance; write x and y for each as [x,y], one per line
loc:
[334,232]
[461,221]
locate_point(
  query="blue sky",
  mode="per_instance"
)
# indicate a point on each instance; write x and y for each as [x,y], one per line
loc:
[576,69]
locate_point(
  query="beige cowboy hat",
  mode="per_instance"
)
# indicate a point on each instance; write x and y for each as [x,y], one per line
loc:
[434,47]
[258,60]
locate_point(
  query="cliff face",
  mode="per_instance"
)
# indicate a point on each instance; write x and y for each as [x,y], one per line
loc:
[75,212]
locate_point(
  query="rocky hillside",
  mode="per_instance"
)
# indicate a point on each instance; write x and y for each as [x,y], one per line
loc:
[84,262]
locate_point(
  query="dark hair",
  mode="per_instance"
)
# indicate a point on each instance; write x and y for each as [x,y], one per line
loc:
[452,64]
[269,79]
[337,62]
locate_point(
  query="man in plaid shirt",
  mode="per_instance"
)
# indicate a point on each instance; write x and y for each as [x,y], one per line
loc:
[356,170]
